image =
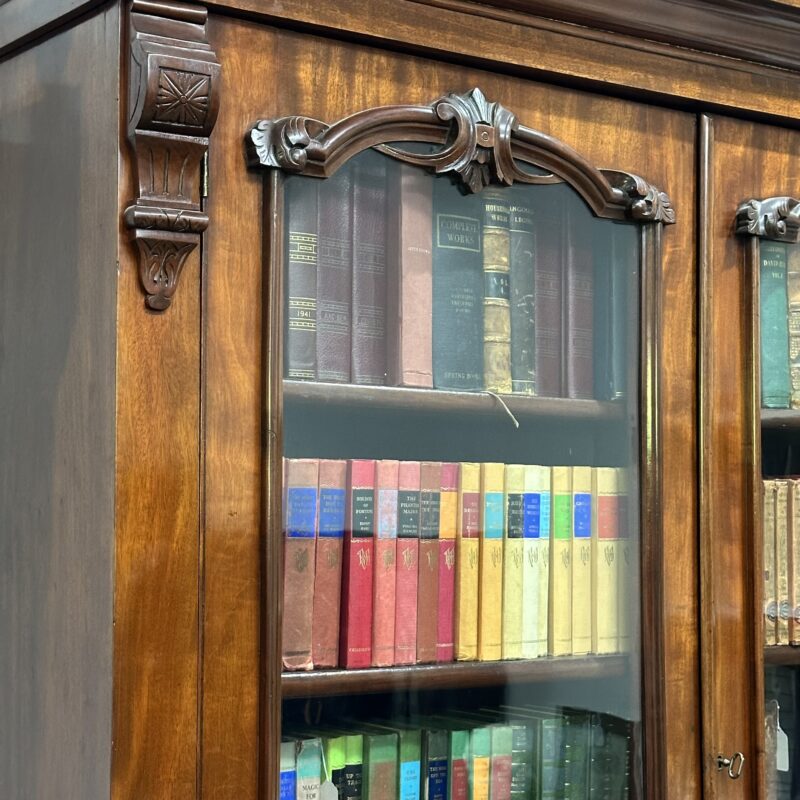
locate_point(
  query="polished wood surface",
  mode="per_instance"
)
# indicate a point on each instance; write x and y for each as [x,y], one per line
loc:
[58,220]
[783,655]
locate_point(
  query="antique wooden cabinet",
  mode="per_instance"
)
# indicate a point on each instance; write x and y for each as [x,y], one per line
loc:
[146,150]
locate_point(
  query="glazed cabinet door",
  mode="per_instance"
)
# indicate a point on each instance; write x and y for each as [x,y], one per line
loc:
[459,557]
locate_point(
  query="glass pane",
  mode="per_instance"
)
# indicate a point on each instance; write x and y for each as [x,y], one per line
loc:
[461,433]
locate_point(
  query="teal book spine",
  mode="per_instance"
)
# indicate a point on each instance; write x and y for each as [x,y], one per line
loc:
[576,734]
[554,759]
[521,761]
[410,771]
[775,378]
[522,245]
[380,763]
[309,768]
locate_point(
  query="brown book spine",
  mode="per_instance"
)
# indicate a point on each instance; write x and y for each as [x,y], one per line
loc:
[385,581]
[334,276]
[369,270]
[328,573]
[300,526]
[428,581]
[410,294]
[301,278]
[405,620]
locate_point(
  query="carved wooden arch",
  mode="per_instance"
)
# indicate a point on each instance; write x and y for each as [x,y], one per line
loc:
[776,218]
[481,143]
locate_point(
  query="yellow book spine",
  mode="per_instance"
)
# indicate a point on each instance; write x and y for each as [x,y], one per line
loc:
[626,566]
[782,558]
[480,778]
[490,594]
[793,288]
[770,584]
[794,561]
[560,606]
[513,553]
[544,543]
[605,546]
[583,509]
[536,561]
[467,552]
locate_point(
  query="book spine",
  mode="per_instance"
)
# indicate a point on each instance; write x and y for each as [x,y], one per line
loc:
[288,772]
[457,290]
[480,758]
[536,560]
[301,278]
[496,292]
[490,573]
[459,763]
[513,554]
[582,512]
[770,581]
[298,564]
[309,769]
[328,571]
[380,760]
[522,247]
[560,608]
[409,337]
[405,626]
[354,768]
[793,298]
[605,530]
[521,762]
[775,377]
[410,768]
[355,647]
[781,559]
[794,543]
[467,558]
[385,569]
[435,772]
[428,576]
[626,565]
[501,762]
[448,525]
[335,762]
[369,270]
[334,276]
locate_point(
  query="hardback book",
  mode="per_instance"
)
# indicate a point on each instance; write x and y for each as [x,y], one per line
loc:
[770,566]
[522,760]
[605,546]
[490,572]
[459,764]
[355,640]
[467,559]
[457,289]
[579,303]
[480,759]
[354,767]
[448,525]
[380,766]
[301,278]
[577,734]
[410,763]
[794,561]
[627,565]
[405,624]
[334,276]
[501,762]
[385,569]
[496,292]
[583,506]
[513,554]
[560,608]
[369,269]
[288,771]
[775,376]
[428,572]
[522,249]
[410,290]
[793,297]
[328,571]
[435,757]
[335,752]
[782,559]
[536,561]
[309,768]
[300,527]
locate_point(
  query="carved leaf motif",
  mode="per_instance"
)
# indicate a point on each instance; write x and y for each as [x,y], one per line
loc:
[183,97]
[773,218]
[160,265]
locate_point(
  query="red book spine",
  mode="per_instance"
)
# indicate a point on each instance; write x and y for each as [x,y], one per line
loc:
[328,573]
[385,564]
[405,624]
[459,777]
[448,521]
[501,777]
[428,586]
[355,640]
[300,524]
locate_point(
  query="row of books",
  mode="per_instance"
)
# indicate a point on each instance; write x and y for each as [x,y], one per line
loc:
[781,522]
[404,562]
[516,753]
[780,325]
[395,278]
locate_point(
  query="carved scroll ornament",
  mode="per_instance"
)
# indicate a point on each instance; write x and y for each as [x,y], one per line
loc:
[173,102]
[479,141]
[774,218]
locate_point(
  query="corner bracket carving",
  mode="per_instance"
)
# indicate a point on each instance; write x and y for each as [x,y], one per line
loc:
[775,218]
[173,100]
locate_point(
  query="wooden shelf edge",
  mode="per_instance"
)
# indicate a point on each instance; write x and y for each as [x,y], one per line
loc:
[449,676]
[444,401]
[780,418]
[782,655]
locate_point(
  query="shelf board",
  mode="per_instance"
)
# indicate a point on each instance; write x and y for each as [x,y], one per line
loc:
[449,676]
[782,655]
[443,401]
[780,418]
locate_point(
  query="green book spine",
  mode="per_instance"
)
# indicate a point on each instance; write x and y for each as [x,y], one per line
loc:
[553,765]
[354,767]
[410,772]
[335,759]
[380,760]
[522,246]
[775,379]
[480,756]
[309,768]
[576,727]
[521,761]
[502,762]
[458,765]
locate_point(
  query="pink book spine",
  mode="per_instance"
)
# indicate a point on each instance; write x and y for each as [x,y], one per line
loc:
[385,564]
[448,521]
[405,625]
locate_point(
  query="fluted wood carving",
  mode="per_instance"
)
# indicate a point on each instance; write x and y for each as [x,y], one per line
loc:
[773,218]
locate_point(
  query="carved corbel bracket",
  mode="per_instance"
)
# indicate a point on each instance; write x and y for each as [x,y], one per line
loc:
[173,101]
[775,218]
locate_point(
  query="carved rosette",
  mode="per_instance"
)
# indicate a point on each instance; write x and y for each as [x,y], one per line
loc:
[478,141]
[173,102]
[775,218]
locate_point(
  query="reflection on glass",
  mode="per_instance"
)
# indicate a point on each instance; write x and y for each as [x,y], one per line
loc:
[461,490]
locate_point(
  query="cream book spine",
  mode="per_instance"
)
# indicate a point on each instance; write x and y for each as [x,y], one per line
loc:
[583,509]
[782,559]
[627,566]
[513,553]
[467,551]
[605,575]
[490,572]
[560,607]
[794,561]
[770,583]
[536,561]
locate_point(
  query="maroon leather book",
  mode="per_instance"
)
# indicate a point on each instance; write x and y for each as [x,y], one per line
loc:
[301,278]
[369,269]
[300,523]
[579,304]
[334,276]
[405,619]
[410,279]
[385,580]
[448,522]
[328,573]
[428,581]
[355,639]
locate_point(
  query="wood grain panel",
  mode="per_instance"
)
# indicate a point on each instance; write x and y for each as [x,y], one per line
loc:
[745,160]
[57,351]
[276,73]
